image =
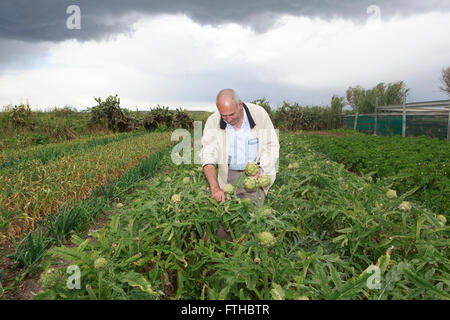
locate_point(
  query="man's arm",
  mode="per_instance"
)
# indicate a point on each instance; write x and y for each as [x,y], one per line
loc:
[210,173]
[270,148]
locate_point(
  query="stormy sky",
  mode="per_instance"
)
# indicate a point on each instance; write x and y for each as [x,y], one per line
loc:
[181,53]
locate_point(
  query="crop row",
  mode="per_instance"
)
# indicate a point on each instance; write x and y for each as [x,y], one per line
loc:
[416,162]
[30,195]
[319,231]
[45,153]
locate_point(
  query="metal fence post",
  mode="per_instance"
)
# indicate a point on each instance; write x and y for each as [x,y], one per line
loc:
[448,126]
[404,117]
[376,118]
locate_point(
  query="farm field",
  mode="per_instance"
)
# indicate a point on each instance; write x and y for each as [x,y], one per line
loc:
[38,185]
[319,234]
[39,128]
[420,162]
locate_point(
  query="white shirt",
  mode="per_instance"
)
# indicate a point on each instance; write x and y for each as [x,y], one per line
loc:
[243,145]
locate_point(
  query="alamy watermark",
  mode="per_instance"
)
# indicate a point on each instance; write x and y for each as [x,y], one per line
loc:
[182,152]
[374,281]
[374,13]
[74,279]
[74,20]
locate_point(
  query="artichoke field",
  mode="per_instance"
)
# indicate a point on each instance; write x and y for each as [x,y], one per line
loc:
[320,230]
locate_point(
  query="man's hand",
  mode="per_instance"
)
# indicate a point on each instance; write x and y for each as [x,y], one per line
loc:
[259,173]
[210,174]
[218,194]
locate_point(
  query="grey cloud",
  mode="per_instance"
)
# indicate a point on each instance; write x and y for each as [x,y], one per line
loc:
[44,20]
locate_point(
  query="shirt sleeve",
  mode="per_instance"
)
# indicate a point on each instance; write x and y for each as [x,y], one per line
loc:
[270,148]
[209,154]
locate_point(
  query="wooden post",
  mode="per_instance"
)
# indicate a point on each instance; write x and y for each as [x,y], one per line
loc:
[404,117]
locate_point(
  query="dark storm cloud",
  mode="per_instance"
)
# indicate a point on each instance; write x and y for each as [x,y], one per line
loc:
[45,20]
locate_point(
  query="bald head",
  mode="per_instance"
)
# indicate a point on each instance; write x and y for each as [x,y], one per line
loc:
[227,94]
[230,106]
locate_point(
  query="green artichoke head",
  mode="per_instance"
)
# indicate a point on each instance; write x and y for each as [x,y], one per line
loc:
[50,277]
[266,239]
[293,166]
[442,220]
[405,206]
[228,188]
[264,181]
[391,194]
[176,198]
[250,184]
[100,264]
[266,211]
[251,168]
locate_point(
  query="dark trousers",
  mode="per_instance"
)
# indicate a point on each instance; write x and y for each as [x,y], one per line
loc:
[233,176]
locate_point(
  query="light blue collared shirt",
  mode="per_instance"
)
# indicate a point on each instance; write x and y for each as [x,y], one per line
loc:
[243,145]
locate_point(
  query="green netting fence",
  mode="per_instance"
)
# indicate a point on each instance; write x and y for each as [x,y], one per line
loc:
[434,126]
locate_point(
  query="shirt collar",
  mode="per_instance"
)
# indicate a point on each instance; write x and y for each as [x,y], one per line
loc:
[251,122]
[244,123]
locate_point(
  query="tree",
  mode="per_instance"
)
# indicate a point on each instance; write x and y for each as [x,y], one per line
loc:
[446,80]
[354,97]
[395,92]
[364,101]
[337,104]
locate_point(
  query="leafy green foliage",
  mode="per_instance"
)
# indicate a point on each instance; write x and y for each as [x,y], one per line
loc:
[265,104]
[328,227]
[293,117]
[182,119]
[365,101]
[416,162]
[35,243]
[58,226]
[112,115]
[159,117]
[20,116]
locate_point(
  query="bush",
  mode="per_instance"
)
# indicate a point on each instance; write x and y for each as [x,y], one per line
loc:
[160,117]
[182,120]
[295,117]
[110,114]
[20,116]
[39,139]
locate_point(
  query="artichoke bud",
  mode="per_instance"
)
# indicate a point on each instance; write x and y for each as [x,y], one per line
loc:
[250,184]
[251,169]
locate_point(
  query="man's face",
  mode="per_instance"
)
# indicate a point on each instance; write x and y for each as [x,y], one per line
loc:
[229,111]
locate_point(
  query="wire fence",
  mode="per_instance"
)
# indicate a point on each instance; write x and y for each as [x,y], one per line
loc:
[414,119]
